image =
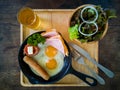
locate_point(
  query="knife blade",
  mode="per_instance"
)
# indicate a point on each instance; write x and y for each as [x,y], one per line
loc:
[109,73]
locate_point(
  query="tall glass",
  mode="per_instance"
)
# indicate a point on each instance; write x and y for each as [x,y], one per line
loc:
[28,18]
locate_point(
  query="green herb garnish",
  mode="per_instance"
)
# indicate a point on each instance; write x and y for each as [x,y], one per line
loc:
[35,39]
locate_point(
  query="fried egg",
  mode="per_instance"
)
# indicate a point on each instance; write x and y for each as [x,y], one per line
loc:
[51,59]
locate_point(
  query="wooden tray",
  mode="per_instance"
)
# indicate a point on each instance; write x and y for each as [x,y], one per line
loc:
[59,19]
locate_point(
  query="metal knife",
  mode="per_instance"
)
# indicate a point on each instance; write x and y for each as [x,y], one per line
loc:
[109,73]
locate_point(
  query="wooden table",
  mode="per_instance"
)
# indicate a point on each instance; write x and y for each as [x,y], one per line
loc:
[109,46]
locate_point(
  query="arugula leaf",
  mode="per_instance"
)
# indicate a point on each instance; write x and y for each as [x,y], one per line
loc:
[73,32]
[110,13]
[83,40]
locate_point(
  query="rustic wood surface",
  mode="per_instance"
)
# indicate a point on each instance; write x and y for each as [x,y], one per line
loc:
[109,46]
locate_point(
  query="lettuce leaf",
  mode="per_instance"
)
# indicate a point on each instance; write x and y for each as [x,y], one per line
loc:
[73,32]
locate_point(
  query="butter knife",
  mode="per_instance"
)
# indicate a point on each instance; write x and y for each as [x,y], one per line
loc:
[109,73]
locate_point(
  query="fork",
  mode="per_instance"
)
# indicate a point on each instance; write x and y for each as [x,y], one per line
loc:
[77,57]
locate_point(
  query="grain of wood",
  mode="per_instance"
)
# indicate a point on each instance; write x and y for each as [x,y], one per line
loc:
[59,19]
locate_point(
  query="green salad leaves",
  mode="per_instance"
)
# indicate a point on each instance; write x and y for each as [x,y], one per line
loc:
[73,32]
[35,39]
[89,14]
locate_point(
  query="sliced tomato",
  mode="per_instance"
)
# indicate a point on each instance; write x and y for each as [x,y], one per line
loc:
[35,50]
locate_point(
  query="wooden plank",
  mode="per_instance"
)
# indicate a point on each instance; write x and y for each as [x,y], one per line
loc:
[59,19]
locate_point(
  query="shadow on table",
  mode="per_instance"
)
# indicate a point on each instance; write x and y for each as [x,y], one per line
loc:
[66,4]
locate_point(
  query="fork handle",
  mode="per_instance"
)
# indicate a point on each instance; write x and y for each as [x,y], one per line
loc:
[97,77]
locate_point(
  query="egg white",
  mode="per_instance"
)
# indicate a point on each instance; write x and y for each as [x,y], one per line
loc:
[42,58]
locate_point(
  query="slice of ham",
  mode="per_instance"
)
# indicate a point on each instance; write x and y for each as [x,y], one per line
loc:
[49,34]
[55,43]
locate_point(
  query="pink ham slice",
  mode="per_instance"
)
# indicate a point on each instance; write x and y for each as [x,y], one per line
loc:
[55,43]
[49,34]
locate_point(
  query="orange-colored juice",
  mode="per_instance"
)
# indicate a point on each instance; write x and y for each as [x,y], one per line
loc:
[28,18]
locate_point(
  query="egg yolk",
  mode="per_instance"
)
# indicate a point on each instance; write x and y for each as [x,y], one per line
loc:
[51,64]
[50,51]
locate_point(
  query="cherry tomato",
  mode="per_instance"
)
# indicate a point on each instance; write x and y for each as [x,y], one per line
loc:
[35,50]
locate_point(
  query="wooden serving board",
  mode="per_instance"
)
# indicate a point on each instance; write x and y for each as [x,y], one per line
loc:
[59,20]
